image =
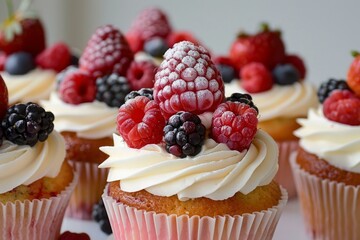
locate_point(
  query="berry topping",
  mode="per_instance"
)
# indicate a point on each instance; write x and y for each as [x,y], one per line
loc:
[112,90]
[227,72]
[141,75]
[176,37]
[298,63]
[26,124]
[156,47]
[327,87]
[3,58]
[99,214]
[184,134]
[106,52]
[73,236]
[342,106]
[140,122]
[255,77]
[135,42]
[19,63]
[285,74]
[242,98]
[353,76]
[61,75]
[265,47]
[4,98]
[146,92]
[234,124]
[77,87]
[56,58]
[187,80]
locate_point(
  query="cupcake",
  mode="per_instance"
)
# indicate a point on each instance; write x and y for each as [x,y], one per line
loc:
[258,64]
[188,164]
[36,182]
[326,167]
[26,65]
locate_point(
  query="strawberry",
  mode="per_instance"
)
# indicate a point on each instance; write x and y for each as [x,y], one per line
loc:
[265,47]
[353,76]
[4,101]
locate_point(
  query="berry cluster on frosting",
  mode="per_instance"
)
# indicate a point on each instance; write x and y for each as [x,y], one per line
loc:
[340,98]
[23,44]
[23,124]
[260,61]
[187,86]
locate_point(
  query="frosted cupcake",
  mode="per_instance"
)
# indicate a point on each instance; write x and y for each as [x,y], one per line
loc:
[168,179]
[326,167]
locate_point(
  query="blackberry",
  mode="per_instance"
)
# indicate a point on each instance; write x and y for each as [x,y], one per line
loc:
[243,98]
[112,89]
[99,215]
[184,134]
[26,124]
[146,92]
[327,87]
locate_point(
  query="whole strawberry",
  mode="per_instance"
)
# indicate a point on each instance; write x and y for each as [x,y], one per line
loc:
[353,76]
[4,100]
[265,47]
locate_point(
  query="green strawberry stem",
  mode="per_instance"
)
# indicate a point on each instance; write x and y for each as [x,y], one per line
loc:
[10,7]
[355,53]
[264,27]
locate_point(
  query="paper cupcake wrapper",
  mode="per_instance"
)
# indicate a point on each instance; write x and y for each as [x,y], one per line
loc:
[91,184]
[36,219]
[331,210]
[284,175]
[129,223]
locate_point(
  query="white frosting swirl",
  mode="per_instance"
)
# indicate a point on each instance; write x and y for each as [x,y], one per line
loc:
[143,56]
[30,87]
[91,120]
[280,101]
[24,164]
[216,172]
[336,143]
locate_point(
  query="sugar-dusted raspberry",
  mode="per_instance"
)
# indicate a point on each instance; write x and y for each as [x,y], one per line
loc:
[353,76]
[106,52]
[146,92]
[141,75]
[187,80]
[234,124]
[298,63]
[56,57]
[255,77]
[140,122]
[242,98]
[77,87]
[67,235]
[342,106]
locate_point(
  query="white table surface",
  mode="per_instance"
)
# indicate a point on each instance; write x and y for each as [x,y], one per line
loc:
[290,226]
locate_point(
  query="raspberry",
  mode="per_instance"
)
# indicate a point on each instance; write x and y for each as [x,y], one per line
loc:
[146,92]
[26,124]
[67,235]
[242,98]
[57,57]
[140,122]
[184,134]
[141,75]
[234,124]
[176,37]
[112,90]
[187,80]
[99,214]
[3,58]
[135,42]
[106,52]
[327,87]
[342,106]
[77,87]
[353,76]
[298,63]
[255,77]
[4,98]
[61,75]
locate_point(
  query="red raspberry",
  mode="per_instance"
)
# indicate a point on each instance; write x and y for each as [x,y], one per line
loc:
[151,22]
[57,57]
[73,236]
[106,52]
[298,63]
[255,77]
[77,87]
[224,60]
[4,100]
[234,124]
[187,80]
[176,37]
[141,75]
[3,58]
[342,106]
[353,76]
[140,122]
[135,42]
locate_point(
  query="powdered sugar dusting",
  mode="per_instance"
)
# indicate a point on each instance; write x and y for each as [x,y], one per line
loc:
[189,61]
[189,74]
[201,83]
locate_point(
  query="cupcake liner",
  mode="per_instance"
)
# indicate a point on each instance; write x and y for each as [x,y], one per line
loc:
[331,210]
[129,223]
[284,175]
[91,184]
[36,219]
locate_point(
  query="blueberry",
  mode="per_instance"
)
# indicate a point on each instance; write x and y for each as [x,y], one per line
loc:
[156,47]
[19,63]
[285,74]
[227,72]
